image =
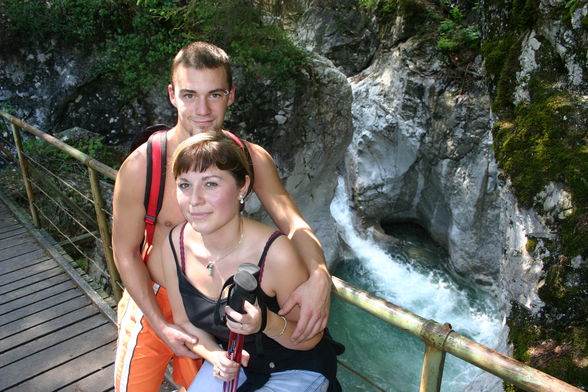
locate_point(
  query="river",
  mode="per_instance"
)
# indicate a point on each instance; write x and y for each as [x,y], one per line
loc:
[410,274]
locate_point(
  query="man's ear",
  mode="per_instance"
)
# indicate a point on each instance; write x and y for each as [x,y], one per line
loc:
[231,96]
[171,94]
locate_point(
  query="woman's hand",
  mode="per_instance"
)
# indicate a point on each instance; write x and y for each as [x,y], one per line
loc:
[225,369]
[244,324]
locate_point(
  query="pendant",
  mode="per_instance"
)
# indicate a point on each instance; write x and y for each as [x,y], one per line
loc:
[209,267]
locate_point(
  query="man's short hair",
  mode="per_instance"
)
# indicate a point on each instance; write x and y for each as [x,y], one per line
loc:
[202,55]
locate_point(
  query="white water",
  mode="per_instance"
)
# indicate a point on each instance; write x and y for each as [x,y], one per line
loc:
[428,292]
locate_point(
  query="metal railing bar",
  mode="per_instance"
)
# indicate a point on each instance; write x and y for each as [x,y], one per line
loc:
[87,257]
[435,334]
[79,238]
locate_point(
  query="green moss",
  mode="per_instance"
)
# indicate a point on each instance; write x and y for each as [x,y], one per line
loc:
[560,351]
[541,144]
[524,14]
[531,245]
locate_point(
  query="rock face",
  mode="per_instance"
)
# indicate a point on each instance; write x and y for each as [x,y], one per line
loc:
[315,129]
[54,88]
[340,32]
[422,144]
[422,152]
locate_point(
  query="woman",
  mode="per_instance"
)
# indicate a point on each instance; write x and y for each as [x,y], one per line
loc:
[212,180]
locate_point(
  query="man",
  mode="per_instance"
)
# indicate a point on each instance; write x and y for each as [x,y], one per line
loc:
[201,90]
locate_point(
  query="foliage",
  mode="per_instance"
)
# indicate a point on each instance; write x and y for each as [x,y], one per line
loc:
[455,35]
[95,146]
[383,8]
[138,39]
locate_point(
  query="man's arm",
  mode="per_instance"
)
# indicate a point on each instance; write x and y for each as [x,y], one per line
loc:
[313,296]
[128,229]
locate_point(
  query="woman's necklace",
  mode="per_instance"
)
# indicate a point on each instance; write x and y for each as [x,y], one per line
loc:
[212,262]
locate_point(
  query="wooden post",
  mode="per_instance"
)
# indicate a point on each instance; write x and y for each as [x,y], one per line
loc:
[25,175]
[104,233]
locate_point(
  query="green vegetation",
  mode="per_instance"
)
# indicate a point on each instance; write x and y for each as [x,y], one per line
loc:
[455,35]
[541,139]
[44,153]
[138,39]
[558,351]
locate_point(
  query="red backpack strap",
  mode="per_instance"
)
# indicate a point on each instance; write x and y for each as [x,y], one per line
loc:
[243,146]
[155,183]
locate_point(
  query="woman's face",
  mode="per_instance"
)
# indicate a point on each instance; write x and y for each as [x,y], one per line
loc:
[210,199]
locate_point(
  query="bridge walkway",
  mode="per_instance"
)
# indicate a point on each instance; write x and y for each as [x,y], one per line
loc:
[53,336]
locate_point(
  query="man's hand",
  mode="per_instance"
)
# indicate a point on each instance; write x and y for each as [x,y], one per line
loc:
[178,340]
[314,299]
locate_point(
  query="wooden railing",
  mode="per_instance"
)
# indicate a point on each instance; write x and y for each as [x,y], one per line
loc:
[439,338]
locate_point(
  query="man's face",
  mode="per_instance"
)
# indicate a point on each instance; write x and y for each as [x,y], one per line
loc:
[201,97]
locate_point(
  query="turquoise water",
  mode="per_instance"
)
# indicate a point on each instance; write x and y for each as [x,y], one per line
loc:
[410,274]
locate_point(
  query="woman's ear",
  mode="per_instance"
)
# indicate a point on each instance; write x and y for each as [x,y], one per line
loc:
[244,188]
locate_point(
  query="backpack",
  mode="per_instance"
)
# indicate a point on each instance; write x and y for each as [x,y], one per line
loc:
[155,181]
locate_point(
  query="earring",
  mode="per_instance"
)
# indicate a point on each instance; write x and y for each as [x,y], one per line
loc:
[241,201]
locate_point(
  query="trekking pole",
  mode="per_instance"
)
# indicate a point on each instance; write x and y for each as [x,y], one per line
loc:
[244,290]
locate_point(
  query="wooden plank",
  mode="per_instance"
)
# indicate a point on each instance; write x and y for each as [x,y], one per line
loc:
[17,240]
[8,224]
[25,257]
[62,283]
[47,327]
[28,275]
[20,251]
[23,262]
[69,332]
[101,381]
[30,279]
[73,372]
[34,314]
[8,232]
[62,353]
[26,295]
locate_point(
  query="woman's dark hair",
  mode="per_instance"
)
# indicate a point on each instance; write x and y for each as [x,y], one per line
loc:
[204,150]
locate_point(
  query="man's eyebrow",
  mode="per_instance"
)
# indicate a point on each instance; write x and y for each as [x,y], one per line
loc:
[216,90]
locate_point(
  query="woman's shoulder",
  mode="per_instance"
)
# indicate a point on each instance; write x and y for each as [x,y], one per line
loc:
[261,232]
